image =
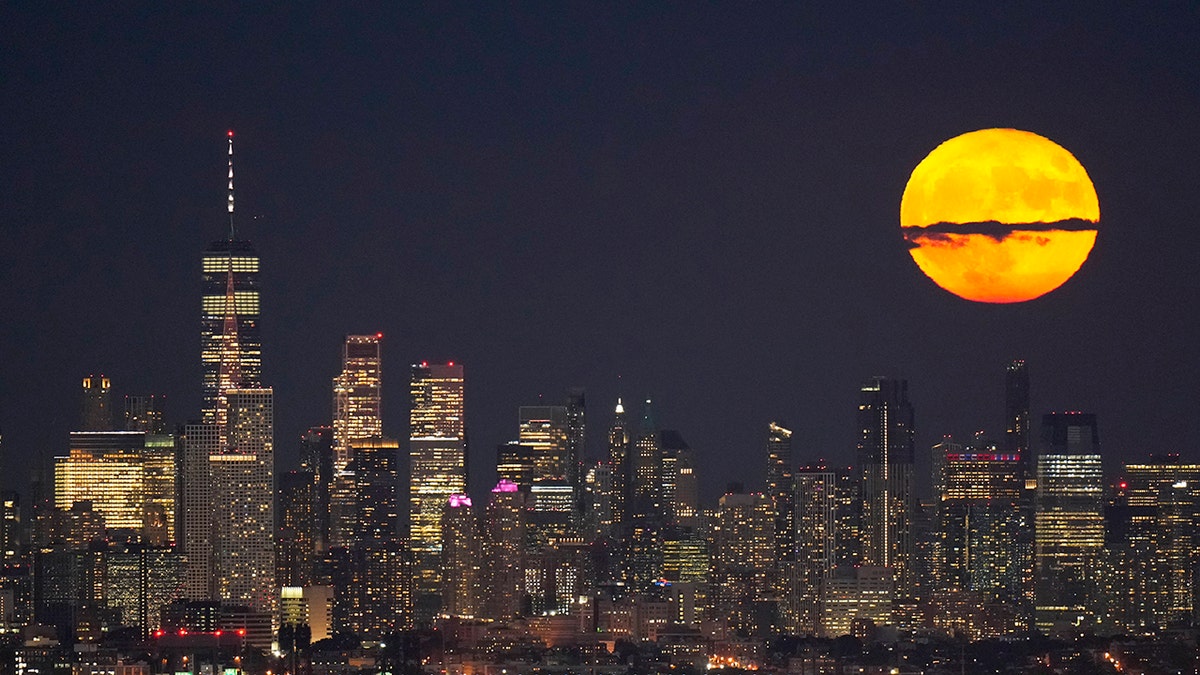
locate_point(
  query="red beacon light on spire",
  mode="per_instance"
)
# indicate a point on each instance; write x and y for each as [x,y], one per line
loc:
[229,133]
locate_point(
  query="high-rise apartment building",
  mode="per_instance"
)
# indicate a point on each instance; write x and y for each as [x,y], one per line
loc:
[744,550]
[230,337]
[1069,525]
[437,469]
[503,546]
[461,592]
[816,500]
[243,504]
[200,442]
[885,459]
[781,491]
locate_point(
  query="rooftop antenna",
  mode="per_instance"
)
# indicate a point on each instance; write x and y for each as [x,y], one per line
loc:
[229,134]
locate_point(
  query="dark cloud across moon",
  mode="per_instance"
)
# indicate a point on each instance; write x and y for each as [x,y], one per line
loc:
[938,233]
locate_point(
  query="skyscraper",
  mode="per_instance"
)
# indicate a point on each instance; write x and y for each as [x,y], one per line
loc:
[885,458]
[1069,524]
[437,469]
[1157,592]
[576,436]
[316,457]
[142,413]
[129,478]
[294,545]
[461,592]
[503,546]
[1016,415]
[230,340]
[618,459]
[816,499]
[384,602]
[357,396]
[980,521]
[544,428]
[243,503]
[97,404]
[781,490]
[200,442]
[356,414]
[744,552]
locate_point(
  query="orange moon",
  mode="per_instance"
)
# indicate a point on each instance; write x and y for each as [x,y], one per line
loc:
[999,215]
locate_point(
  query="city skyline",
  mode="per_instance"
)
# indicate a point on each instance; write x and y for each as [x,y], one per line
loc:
[712,226]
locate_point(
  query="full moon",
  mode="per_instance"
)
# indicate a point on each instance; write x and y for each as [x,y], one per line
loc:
[999,215]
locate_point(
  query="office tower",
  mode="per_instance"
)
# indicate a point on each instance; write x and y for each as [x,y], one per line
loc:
[129,478]
[200,442]
[680,490]
[515,463]
[597,501]
[97,404]
[356,394]
[243,504]
[294,546]
[138,580]
[316,457]
[384,599]
[816,500]
[1016,415]
[556,575]
[618,460]
[646,467]
[1069,525]
[503,546]
[576,436]
[647,515]
[230,342]
[11,529]
[142,413]
[437,469]
[979,522]
[461,593]
[356,414]
[885,458]
[544,428]
[1157,590]
[781,490]
[744,549]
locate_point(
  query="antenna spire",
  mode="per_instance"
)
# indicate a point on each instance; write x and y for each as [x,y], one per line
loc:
[230,199]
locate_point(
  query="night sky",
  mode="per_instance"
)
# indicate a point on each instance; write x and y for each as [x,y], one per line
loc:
[692,202]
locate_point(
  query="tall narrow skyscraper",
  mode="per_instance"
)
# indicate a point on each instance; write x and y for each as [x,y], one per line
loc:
[780,490]
[885,458]
[357,401]
[230,339]
[618,460]
[437,470]
[1016,415]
